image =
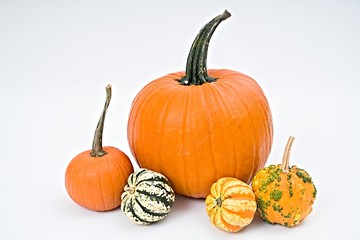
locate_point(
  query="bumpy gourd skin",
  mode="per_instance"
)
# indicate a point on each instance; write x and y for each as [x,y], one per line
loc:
[284,198]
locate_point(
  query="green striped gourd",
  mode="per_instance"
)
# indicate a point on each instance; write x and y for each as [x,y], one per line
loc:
[147,197]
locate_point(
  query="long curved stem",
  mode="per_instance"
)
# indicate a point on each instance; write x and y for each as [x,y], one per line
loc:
[97,150]
[286,156]
[196,70]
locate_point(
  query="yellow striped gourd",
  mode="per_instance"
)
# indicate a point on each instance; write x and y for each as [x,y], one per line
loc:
[231,204]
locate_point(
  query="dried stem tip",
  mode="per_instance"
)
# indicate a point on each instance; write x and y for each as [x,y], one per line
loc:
[97,149]
[286,156]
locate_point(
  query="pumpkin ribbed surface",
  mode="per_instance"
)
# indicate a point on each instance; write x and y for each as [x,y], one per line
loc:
[97,182]
[231,205]
[197,134]
[148,197]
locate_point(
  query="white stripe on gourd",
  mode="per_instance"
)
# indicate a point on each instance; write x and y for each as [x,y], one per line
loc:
[148,197]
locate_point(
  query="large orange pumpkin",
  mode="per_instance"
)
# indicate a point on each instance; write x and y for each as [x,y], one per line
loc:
[200,125]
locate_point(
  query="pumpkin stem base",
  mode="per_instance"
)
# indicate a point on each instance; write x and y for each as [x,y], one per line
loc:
[218,202]
[130,190]
[196,70]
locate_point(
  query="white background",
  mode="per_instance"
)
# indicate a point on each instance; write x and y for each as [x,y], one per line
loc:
[56,57]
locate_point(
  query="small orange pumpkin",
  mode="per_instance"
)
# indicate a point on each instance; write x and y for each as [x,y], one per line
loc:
[96,178]
[284,195]
[200,125]
[231,204]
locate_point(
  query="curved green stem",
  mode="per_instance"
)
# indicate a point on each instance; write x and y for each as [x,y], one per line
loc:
[97,150]
[196,70]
